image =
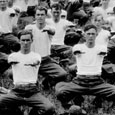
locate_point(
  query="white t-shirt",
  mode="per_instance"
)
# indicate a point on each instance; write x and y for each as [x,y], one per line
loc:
[41,40]
[21,72]
[58,38]
[89,63]
[102,37]
[6,21]
[22,4]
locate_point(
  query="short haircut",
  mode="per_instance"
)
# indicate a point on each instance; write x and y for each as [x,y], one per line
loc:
[41,8]
[90,26]
[57,6]
[25,32]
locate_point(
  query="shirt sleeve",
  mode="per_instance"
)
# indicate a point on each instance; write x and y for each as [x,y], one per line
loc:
[103,49]
[11,58]
[67,24]
[28,27]
[76,48]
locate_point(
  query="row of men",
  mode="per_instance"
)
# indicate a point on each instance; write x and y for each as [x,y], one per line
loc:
[35,44]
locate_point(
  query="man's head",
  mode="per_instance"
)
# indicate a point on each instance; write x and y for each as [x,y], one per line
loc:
[90,33]
[56,10]
[10,3]
[25,38]
[3,4]
[105,2]
[40,14]
[98,20]
[53,2]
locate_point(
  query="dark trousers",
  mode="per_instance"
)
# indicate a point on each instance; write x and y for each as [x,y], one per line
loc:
[84,85]
[9,42]
[26,95]
[61,51]
[52,71]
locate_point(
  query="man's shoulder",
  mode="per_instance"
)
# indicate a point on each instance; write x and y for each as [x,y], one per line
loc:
[77,46]
[36,55]
[14,54]
[30,26]
[101,47]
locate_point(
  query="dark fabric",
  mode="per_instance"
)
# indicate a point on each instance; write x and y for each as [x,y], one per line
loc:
[28,96]
[95,3]
[84,85]
[3,62]
[72,38]
[111,51]
[9,42]
[73,7]
[61,51]
[52,70]
[31,11]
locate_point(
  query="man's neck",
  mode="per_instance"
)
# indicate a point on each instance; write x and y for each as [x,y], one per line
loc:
[56,20]
[41,25]
[3,8]
[25,51]
[90,44]
[99,29]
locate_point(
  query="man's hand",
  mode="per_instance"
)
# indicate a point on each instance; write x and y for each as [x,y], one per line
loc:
[102,53]
[13,63]
[33,65]
[49,31]
[78,52]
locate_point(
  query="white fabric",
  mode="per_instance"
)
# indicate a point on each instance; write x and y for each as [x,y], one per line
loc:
[16,17]
[22,4]
[41,40]
[6,21]
[58,38]
[89,63]
[112,3]
[32,2]
[21,72]
[102,37]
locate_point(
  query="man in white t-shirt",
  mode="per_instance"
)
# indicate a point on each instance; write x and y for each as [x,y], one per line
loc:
[103,35]
[61,26]
[42,38]
[89,59]
[6,16]
[25,66]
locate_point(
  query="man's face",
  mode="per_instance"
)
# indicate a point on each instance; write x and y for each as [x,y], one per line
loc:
[56,13]
[40,16]
[25,41]
[90,35]
[3,3]
[98,21]
[105,2]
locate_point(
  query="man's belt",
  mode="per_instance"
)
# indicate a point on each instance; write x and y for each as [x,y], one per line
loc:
[25,85]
